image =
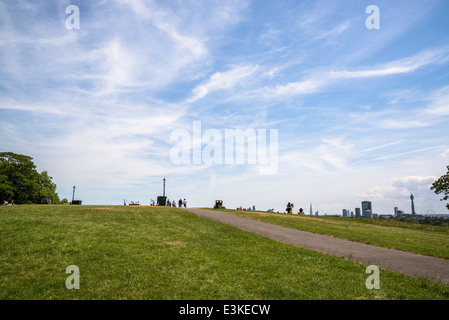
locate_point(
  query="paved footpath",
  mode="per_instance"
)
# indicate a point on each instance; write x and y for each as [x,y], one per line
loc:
[408,263]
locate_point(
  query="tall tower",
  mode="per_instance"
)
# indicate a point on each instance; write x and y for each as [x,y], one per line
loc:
[413,204]
[311,212]
[366,205]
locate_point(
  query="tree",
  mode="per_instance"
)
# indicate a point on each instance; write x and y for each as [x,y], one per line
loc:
[20,180]
[6,187]
[47,189]
[442,186]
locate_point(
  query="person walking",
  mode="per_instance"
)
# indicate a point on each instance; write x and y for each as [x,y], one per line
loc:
[289,207]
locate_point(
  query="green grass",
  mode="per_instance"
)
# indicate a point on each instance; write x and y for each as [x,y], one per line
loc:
[416,238]
[170,254]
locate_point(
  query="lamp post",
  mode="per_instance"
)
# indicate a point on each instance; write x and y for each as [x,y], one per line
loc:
[164,187]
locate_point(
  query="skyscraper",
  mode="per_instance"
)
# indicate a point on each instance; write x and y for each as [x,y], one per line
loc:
[311,212]
[413,204]
[357,212]
[366,205]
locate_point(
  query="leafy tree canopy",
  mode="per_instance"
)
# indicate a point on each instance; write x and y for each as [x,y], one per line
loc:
[20,180]
[442,186]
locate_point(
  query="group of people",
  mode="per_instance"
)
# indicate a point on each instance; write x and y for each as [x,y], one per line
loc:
[9,202]
[249,208]
[181,203]
[290,207]
[47,201]
[131,203]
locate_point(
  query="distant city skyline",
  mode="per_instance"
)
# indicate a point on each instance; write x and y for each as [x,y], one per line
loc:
[367,208]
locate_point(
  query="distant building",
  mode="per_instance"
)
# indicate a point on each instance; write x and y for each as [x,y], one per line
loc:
[366,205]
[311,212]
[357,212]
[369,214]
[399,214]
[395,211]
[316,213]
[413,204]
[345,213]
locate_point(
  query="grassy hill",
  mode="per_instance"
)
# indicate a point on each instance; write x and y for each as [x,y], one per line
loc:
[169,254]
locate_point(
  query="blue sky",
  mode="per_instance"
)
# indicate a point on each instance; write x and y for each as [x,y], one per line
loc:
[361,114]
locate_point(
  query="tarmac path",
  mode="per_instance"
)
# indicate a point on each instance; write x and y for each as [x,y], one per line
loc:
[412,264]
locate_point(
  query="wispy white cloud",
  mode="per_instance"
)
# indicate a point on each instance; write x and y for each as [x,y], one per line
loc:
[317,81]
[330,154]
[401,66]
[400,154]
[370,149]
[413,182]
[445,154]
[335,31]
[140,8]
[222,81]
[293,88]
[439,102]
[117,68]
[35,108]
[403,124]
